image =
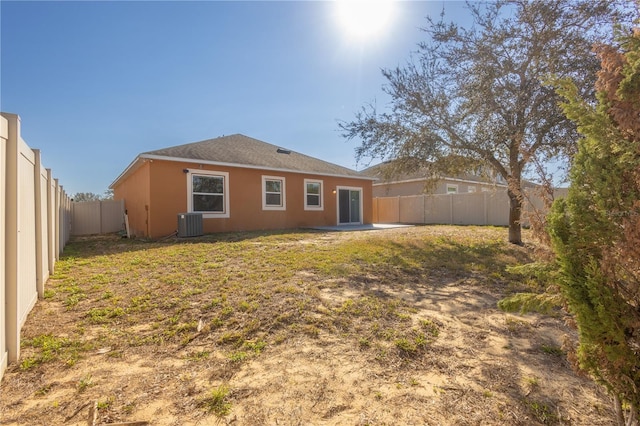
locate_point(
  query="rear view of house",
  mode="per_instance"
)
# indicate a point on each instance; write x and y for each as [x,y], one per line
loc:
[239,183]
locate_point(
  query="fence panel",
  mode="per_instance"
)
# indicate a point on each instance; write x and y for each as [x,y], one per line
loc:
[468,209]
[411,209]
[497,208]
[33,210]
[27,287]
[438,209]
[112,216]
[97,217]
[20,280]
[476,208]
[86,218]
[388,210]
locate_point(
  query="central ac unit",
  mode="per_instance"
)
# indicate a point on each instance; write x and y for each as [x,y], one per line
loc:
[189,224]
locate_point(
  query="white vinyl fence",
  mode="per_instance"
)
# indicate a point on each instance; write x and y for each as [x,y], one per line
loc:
[474,208]
[35,219]
[97,217]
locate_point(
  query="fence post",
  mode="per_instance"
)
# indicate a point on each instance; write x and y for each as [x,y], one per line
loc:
[50,222]
[4,135]
[11,240]
[38,205]
[56,209]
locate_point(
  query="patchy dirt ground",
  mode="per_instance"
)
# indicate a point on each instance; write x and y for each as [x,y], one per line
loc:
[459,360]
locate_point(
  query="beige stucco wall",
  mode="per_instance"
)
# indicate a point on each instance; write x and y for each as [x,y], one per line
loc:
[135,191]
[393,189]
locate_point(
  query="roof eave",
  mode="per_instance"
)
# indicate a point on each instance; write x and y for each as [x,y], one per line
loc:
[130,168]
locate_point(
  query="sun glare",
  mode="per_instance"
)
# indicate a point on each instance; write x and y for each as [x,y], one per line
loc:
[364,19]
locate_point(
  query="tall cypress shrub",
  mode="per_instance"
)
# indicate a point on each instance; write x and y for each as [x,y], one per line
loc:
[595,230]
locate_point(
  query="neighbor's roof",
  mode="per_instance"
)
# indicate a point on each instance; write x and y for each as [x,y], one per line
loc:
[385,174]
[242,151]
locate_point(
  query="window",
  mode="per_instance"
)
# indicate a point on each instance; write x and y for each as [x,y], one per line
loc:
[273,193]
[313,199]
[452,189]
[208,193]
[471,189]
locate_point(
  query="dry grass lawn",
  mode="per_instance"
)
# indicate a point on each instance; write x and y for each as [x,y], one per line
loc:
[361,328]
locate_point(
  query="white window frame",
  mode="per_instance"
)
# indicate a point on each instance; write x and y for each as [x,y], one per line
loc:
[225,196]
[283,193]
[471,188]
[452,186]
[320,195]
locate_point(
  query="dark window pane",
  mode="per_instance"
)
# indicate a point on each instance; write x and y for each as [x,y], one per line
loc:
[208,203]
[313,200]
[345,212]
[273,200]
[273,185]
[208,184]
[355,206]
[313,188]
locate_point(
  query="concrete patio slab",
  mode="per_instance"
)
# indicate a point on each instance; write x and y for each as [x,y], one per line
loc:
[365,227]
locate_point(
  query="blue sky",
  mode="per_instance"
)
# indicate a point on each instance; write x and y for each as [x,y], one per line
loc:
[96,83]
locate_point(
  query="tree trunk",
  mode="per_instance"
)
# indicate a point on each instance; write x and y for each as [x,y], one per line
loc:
[515,211]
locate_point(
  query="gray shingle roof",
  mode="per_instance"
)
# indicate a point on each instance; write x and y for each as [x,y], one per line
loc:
[386,172]
[245,151]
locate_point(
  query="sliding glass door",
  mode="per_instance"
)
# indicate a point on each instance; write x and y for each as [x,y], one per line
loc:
[349,205]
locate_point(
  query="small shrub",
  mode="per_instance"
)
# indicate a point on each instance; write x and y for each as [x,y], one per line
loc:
[84,383]
[198,356]
[51,347]
[238,356]
[217,402]
[103,405]
[406,346]
[104,315]
[552,350]
[256,347]
[430,327]
[541,411]
[231,337]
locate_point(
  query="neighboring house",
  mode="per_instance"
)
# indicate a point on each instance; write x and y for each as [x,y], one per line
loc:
[416,183]
[238,184]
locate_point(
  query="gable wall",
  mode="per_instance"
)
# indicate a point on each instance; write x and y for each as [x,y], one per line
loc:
[168,198]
